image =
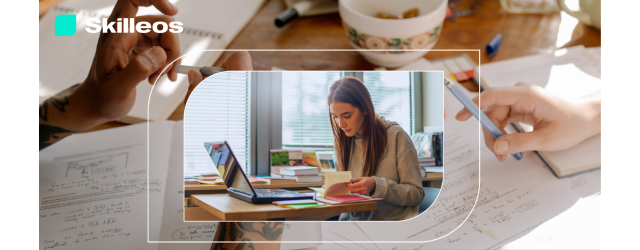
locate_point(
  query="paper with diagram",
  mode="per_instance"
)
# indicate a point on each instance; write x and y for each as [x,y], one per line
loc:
[93,193]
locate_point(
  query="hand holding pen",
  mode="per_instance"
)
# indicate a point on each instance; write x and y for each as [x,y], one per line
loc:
[557,124]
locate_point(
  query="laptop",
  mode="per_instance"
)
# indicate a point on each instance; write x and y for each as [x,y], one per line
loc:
[237,182]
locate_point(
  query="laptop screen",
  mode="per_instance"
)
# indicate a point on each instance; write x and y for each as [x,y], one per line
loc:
[223,157]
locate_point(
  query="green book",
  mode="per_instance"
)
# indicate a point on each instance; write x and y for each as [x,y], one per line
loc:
[279,157]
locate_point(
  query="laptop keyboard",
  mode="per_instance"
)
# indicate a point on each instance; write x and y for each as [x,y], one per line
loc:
[273,193]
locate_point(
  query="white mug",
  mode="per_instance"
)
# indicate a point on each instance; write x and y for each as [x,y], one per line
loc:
[589,12]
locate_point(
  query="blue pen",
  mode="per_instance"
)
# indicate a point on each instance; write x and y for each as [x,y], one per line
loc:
[475,111]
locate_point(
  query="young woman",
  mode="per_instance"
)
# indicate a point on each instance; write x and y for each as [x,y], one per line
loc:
[380,155]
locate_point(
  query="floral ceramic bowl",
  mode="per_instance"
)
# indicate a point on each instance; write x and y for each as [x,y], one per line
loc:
[393,42]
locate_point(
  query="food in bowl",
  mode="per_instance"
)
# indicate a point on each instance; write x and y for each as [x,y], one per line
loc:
[407,14]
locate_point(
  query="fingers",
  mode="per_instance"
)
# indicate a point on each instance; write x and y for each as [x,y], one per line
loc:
[140,67]
[195,77]
[168,41]
[521,97]
[520,142]
[129,8]
[240,60]
[357,185]
[163,6]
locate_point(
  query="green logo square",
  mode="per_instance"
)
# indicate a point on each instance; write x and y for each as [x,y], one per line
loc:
[65,25]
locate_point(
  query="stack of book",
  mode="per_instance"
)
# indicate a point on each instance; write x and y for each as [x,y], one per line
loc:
[429,168]
[299,173]
[429,148]
[281,158]
[427,162]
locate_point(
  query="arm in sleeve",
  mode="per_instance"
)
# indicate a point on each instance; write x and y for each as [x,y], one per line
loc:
[408,192]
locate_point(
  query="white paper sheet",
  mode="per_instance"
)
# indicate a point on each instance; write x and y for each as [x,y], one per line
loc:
[346,231]
[516,212]
[94,193]
[93,189]
[582,221]
[515,198]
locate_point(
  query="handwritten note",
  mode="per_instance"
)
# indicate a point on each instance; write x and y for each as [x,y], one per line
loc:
[93,189]
[513,198]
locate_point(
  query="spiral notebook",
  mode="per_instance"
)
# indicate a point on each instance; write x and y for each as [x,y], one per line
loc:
[208,24]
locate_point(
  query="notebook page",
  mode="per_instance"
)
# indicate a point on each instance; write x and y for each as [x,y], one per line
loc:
[587,151]
[93,188]
[347,231]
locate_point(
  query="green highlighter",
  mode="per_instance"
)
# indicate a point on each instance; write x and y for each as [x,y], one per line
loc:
[300,206]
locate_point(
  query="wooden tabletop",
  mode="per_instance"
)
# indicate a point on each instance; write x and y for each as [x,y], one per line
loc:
[199,187]
[228,208]
[265,186]
[523,34]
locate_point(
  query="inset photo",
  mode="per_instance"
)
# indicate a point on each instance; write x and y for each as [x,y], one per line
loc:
[313,146]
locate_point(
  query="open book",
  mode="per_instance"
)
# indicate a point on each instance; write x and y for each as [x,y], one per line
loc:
[335,190]
[572,74]
[94,186]
[208,24]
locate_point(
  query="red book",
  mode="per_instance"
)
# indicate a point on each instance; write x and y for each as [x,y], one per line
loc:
[347,198]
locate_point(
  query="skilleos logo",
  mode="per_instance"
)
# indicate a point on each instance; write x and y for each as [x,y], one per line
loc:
[65,25]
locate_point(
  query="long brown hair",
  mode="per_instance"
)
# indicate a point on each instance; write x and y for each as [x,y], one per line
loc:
[351,90]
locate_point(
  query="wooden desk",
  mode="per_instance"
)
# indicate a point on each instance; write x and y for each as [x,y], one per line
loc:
[524,34]
[433,176]
[228,208]
[212,189]
[267,186]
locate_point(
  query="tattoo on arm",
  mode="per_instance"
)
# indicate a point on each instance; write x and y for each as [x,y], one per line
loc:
[56,101]
[59,101]
[246,232]
[51,134]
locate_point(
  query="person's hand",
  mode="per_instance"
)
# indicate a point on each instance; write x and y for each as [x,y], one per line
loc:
[123,60]
[557,124]
[362,185]
[240,61]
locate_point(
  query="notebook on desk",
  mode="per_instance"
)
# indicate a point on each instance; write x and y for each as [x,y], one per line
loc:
[568,73]
[208,25]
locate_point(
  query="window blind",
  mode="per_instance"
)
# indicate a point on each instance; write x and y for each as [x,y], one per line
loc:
[218,110]
[391,95]
[305,113]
